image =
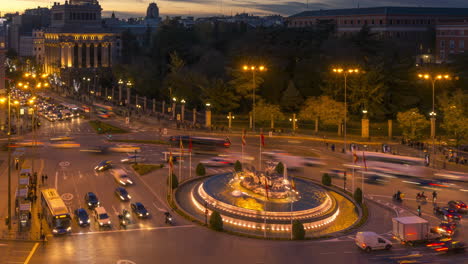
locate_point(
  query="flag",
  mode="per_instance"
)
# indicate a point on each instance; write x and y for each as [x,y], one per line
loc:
[262,138]
[181,145]
[293,184]
[190,145]
[243,138]
[170,161]
[364,160]
[355,157]
[266,188]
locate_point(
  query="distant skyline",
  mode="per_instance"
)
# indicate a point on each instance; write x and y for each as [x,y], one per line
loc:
[137,8]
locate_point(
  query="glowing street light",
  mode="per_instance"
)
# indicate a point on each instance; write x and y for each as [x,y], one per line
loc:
[345,75]
[253,69]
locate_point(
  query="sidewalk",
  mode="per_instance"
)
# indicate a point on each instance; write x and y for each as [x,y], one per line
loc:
[28,233]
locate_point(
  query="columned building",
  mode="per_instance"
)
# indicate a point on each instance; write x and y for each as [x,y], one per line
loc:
[451,38]
[76,42]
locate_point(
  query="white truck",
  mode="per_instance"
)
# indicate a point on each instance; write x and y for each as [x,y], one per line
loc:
[411,228]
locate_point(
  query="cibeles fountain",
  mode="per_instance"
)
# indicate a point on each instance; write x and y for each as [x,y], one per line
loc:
[260,201]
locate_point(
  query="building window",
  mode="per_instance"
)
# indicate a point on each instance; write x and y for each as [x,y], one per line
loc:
[346,21]
[452,44]
[359,21]
[391,21]
[461,44]
[442,54]
[373,22]
[398,21]
[442,43]
[352,22]
[381,22]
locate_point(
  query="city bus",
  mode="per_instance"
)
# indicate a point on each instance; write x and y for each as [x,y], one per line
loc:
[55,212]
[103,111]
[390,164]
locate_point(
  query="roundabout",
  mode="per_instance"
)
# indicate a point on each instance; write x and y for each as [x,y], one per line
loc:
[267,203]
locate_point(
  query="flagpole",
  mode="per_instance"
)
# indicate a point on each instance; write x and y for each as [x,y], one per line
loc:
[180,160]
[265,207]
[190,165]
[260,154]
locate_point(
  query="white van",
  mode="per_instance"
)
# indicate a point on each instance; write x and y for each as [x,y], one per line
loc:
[371,241]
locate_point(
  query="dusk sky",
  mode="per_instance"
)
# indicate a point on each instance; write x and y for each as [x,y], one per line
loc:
[126,8]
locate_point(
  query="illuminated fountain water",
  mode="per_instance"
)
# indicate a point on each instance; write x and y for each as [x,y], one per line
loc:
[264,200]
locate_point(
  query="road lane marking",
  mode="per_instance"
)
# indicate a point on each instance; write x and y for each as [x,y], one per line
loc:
[31,253]
[159,209]
[131,230]
[56,180]
[115,211]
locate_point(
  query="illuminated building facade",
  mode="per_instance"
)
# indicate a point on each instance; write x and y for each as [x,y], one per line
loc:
[76,40]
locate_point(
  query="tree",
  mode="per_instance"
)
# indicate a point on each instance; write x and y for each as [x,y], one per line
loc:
[412,123]
[326,179]
[175,181]
[455,110]
[366,91]
[298,230]
[358,196]
[220,95]
[216,222]
[329,111]
[267,112]
[238,166]
[291,99]
[200,170]
[279,168]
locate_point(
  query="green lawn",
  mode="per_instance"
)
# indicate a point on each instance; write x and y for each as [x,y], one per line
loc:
[157,142]
[102,128]
[143,169]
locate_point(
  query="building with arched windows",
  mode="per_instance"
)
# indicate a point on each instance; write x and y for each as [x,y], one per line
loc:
[76,41]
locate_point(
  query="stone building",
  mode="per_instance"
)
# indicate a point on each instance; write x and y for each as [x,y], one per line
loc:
[76,43]
[451,38]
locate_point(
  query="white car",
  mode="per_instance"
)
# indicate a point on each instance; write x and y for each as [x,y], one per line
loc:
[133,158]
[369,241]
[101,216]
[121,177]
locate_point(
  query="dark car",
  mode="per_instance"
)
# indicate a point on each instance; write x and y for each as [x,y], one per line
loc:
[91,200]
[449,247]
[448,213]
[140,210]
[445,229]
[122,194]
[458,205]
[82,217]
[103,165]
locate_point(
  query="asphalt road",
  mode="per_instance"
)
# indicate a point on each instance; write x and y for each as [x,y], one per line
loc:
[150,240]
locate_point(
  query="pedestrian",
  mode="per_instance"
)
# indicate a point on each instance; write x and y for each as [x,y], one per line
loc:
[46,177]
[333,147]
[42,179]
[419,210]
[434,196]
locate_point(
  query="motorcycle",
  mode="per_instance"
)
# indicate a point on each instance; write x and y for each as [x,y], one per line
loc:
[126,214]
[168,218]
[398,197]
[123,221]
[421,197]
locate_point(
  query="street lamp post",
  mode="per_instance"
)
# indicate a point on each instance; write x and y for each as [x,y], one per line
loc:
[182,110]
[253,69]
[174,101]
[230,117]
[433,78]
[345,75]
[8,101]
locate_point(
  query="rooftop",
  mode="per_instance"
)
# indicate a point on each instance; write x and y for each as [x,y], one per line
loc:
[388,10]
